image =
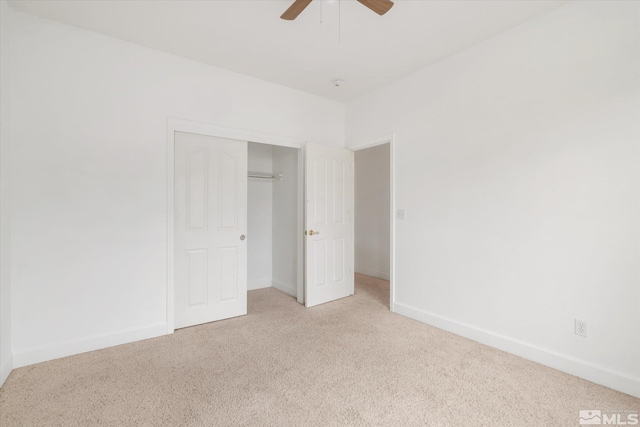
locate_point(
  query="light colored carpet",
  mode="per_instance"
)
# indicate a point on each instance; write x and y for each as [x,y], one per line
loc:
[346,363]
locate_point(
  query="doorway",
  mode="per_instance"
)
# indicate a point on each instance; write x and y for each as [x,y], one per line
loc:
[324,197]
[176,274]
[373,220]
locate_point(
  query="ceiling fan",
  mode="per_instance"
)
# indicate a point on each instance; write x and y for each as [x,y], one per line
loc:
[378,6]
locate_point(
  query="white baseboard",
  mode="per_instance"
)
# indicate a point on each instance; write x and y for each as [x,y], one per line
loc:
[56,351]
[373,273]
[580,368]
[5,370]
[258,284]
[285,287]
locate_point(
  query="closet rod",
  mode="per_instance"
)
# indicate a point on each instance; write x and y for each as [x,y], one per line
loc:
[260,175]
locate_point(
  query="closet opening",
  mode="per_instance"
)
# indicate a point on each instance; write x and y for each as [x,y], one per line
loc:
[275,219]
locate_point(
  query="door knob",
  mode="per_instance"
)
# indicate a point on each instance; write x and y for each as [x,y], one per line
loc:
[311,232]
[242,237]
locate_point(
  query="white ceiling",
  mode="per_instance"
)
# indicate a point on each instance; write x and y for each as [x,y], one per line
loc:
[249,37]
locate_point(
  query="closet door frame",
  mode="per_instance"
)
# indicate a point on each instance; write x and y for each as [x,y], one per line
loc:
[180,125]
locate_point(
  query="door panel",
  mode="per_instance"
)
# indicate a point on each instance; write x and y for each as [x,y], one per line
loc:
[197,189]
[210,218]
[339,191]
[228,261]
[228,191]
[197,270]
[329,250]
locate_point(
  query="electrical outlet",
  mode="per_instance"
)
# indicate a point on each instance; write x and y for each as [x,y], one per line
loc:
[581,328]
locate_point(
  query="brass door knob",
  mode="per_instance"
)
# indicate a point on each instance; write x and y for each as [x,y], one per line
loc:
[311,232]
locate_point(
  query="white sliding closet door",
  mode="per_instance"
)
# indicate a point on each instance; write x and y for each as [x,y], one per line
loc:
[328,224]
[210,229]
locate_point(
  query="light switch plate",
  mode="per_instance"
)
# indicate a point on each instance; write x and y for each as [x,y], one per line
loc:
[401,214]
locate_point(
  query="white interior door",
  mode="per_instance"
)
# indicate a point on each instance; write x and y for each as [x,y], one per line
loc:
[210,280]
[328,224]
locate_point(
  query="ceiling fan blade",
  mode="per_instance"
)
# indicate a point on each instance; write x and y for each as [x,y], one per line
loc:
[378,6]
[295,9]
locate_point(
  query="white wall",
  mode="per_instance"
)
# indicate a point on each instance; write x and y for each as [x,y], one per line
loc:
[372,204]
[517,161]
[89,183]
[285,220]
[5,208]
[259,219]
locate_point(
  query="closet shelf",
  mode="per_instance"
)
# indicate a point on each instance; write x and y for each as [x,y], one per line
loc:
[265,176]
